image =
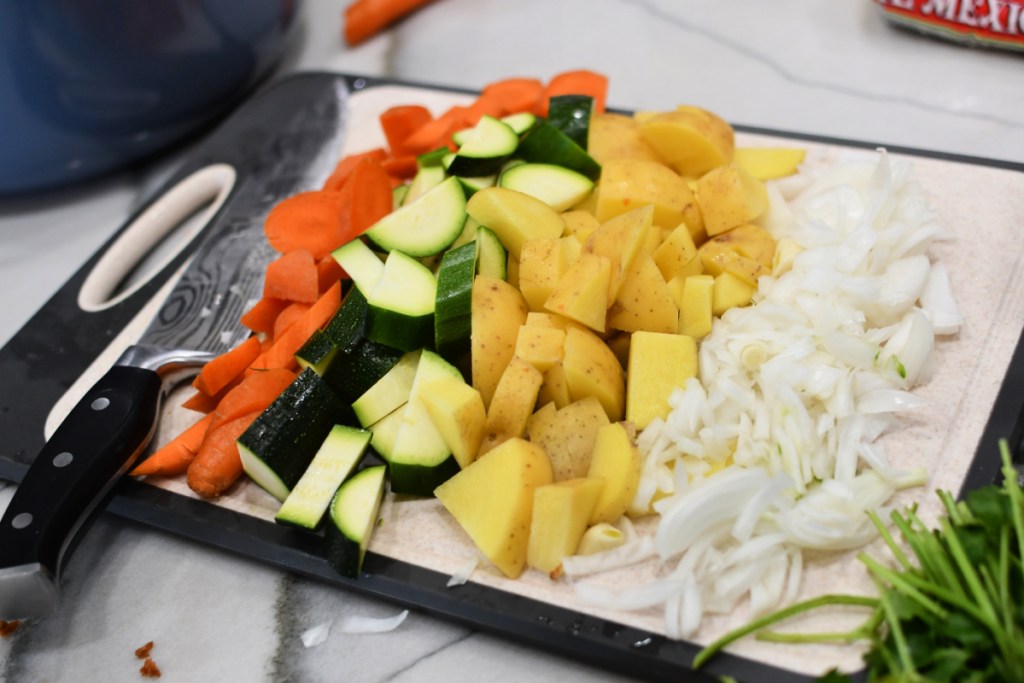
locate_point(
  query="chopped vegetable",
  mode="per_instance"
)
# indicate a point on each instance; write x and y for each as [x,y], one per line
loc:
[222,370]
[217,464]
[292,277]
[366,18]
[176,455]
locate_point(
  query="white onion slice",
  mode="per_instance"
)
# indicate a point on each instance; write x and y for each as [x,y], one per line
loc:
[364,625]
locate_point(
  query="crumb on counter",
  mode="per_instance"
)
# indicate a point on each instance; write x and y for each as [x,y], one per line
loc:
[149,669]
[7,628]
[144,651]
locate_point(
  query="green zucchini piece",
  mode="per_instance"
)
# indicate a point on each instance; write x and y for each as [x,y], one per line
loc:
[418,458]
[454,301]
[361,263]
[389,393]
[559,187]
[334,461]
[425,180]
[385,432]
[546,144]
[402,305]
[278,446]
[433,157]
[398,195]
[354,513]
[426,224]
[359,367]
[491,255]
[317,353]
[485,148]
[521,122]
[571,115]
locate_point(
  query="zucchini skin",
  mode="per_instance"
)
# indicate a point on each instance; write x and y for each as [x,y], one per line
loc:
[571,115]
[343,552]
[545,143]
[452,311]
[357,368]
[420,480]
[287,435]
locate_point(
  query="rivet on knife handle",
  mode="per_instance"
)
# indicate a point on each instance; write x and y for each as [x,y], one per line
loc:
[98,442]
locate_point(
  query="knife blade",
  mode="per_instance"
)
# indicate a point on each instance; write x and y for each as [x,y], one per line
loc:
[107,430]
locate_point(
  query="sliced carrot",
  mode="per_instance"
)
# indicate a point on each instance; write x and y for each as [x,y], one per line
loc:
[308,220]
[254,393]
[219,372]
[366,198]
[437,133]
[328,272]
[200,402]
[344,167]
[289,317]
[282,353]
[261,317]
[579,82]
[401,167]
[516,94]
[401,121]
[484,105]
[366,18]
[175,456]
[292,276]
[217,464]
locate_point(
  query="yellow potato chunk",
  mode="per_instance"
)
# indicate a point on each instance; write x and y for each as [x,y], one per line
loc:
[617,461]
[696,306]
[730,292]
[626,184]
[582,293]
[617,136]
[540,346]
[542,263]
[591,369]
[718,258]
[768,163]
[458,413]
[498,310]
[492,500]
[691,140]
[515,217]
[644,301]
[567,435]
[749,240]
[729,196]
[675,252]
[659,364]
[619,240]
[579,225]
[511,405]
[555,388]
[560,514]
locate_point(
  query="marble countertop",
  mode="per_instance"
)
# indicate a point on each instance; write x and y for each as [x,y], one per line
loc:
[835,69]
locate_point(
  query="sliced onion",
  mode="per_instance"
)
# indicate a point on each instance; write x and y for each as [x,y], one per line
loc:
[361,625]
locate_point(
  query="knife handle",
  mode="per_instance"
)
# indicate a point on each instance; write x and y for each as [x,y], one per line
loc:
[98,442]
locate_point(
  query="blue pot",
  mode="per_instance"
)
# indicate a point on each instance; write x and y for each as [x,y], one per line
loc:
[88,86]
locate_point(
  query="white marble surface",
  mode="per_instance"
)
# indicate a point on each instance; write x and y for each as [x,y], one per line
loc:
[833,68]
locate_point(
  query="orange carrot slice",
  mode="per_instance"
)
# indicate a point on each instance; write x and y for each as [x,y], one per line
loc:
[308,220]
[437,133]
[254,393]
[282,353]
[293,277]
[485,104]
[401,121]
[328,272]
[366,198]
[288,317]
[579,82]
[222,370]
[401,167]
[176,455]
[217,464]
[366,18]
[261,317]
[516,94]
[343,170]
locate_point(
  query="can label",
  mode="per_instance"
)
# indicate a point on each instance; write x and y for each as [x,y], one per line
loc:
[997,23]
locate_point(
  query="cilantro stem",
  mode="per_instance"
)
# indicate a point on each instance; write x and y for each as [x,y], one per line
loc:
[814,603]
[892,617]
[883,531]
[900,583]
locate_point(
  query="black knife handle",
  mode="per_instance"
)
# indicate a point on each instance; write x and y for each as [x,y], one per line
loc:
[98,442]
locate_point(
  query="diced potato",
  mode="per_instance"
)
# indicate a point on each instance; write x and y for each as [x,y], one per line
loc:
[582,293]
[718,258]
[458,413]
[512,271]
[555,388]
[675,252]
[568,435]
[515,217]
[620,239]
[591,369]
[560,514]
[659,364]
[619,344]
[695,307]
[512,404]
[547,319]
[626,184]
[540,346]
[729,196]
[768,163]
[751,241]
[542,263]
[729,292]
[492,500]
[644,301]
[691,140]
[498,309]
[617,461]
[579,225]
[616,136]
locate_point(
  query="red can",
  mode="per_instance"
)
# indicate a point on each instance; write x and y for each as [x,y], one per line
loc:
[991,23]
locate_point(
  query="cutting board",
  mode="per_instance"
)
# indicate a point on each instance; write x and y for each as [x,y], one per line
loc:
[973,396]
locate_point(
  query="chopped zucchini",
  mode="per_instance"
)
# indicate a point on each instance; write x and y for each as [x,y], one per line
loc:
[424,225]
[354,513]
